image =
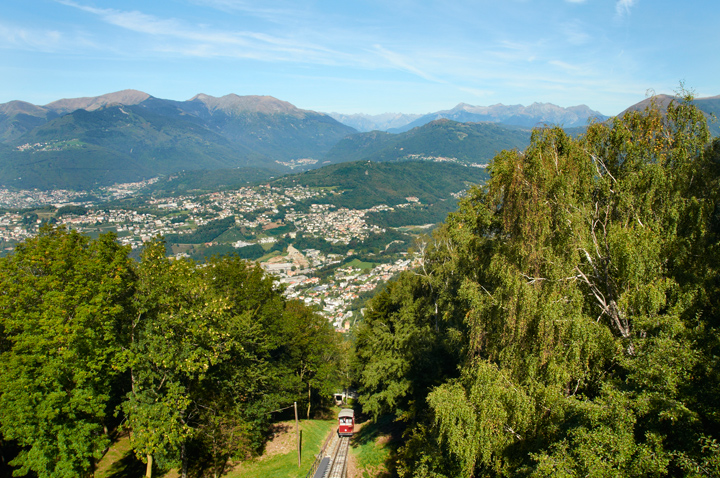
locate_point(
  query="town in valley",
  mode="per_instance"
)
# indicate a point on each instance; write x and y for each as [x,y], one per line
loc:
[262,216]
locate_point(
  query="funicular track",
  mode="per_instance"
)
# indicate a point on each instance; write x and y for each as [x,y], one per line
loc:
[332,460]
[338,467]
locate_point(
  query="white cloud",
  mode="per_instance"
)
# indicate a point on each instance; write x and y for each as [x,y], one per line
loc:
[567,67]
[280,15]
[50,41]
[194,40]
[576,33]
[402,63]
[477,92]
[622,7]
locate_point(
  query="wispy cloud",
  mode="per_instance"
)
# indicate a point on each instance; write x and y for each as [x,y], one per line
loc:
[405,64]
[194,40]
[568,67]
[480,93]
[42,40]
[575,33]
[280,15]
[13,36]
[622,7]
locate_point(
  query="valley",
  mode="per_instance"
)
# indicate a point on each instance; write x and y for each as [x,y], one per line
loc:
[324,235]
[219,176]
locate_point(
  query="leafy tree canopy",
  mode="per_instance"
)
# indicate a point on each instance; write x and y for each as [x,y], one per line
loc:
[584,276]
[192,359]
[63,303]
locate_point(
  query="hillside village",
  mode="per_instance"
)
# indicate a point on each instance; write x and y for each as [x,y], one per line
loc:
[262,214]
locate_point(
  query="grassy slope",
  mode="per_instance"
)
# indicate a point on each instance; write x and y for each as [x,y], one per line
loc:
[372,448]
[284,465]
[119,461]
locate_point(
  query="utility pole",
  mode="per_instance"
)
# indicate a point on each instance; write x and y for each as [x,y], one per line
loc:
[297,432]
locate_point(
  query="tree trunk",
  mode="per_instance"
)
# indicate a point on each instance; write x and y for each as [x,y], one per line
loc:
[148,468]
[183,457]
[309,395]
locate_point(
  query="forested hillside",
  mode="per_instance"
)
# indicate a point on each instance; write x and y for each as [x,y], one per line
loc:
[464,142]
[564,321]
[366,183]
[191,360]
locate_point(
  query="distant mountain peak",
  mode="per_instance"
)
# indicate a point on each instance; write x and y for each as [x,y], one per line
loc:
[234,104]
[439,121]
[513,115]
[124,97]
[381,122]
[15,107]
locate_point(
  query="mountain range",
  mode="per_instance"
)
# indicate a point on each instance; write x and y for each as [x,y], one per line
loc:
[537,114]
[130,135]
[382,122]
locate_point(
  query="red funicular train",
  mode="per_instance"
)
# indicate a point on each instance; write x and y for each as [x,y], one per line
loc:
[346,422]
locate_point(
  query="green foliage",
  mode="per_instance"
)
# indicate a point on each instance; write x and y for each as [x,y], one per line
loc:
[313,352]
[64,302]
[77,210]
[205,233]
[215,349]
[584,275]
[192,359]
[405,347]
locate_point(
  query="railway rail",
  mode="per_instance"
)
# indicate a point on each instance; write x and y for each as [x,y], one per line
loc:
[332,460]
[338,469]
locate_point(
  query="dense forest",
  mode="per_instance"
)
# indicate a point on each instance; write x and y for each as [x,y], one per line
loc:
[564,321]
[190,359]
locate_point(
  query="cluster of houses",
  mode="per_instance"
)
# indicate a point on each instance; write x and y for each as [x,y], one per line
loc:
[255,209]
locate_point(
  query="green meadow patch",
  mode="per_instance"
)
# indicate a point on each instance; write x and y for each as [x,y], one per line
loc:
[280,457]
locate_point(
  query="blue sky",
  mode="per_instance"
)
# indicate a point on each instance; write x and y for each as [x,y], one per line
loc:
[363,56]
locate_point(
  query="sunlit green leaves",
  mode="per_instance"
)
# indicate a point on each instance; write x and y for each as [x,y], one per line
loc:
[585,273]
[64,298]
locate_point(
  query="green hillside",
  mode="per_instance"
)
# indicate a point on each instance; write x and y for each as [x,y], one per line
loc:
[466,142]
[209,180]
[364,184]
[272,128]
[19,117]
[280,136]
[116,144]
[80,168]
[167,144]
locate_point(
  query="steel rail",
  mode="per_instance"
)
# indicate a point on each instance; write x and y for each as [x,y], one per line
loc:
[339,462]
